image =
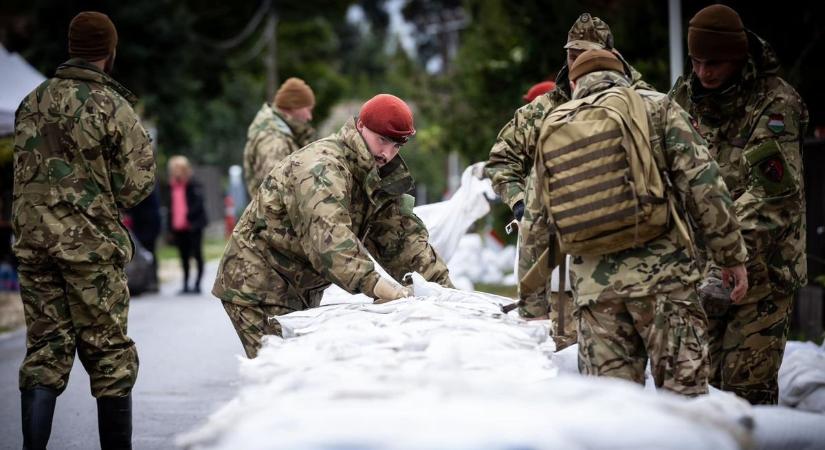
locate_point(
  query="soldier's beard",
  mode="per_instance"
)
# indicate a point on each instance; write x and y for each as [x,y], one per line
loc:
[380,160]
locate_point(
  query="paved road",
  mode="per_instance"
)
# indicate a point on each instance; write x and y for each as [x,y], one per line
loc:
[188,368]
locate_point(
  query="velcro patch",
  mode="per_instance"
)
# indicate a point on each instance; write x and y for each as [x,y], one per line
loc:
[768,169]
[773,169]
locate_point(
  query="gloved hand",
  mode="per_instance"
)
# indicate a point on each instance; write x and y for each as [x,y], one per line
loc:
[715,296]
[385,291]
[719,290]
[518,210]
[737,278]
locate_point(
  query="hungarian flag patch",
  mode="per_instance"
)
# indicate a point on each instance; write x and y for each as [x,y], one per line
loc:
[776,123]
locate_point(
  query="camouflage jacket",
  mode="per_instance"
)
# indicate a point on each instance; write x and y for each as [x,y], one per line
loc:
[754,130]
[271,137]
[80,153]
[664,264]
[317,218]
[511,158]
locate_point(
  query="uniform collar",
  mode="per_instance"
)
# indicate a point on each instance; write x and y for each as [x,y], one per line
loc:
[80,69]
[598,81]
[301,132]
[562,90]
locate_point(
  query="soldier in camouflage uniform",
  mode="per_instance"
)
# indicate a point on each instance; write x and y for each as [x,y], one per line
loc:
[641,302]
[80,154]
[278,131]
[511,165]
[754,123]
[316,220]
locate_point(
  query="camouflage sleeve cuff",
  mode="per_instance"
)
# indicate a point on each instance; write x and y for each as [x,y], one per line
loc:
[510,192]
[446,282]
[368,283]
[515,199]
[731,255]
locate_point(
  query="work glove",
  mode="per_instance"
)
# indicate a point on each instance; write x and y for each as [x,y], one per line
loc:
[718,292]
[715,296]
[736,277]
[518,210]
[385,291]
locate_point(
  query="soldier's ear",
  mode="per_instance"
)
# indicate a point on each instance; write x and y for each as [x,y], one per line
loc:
[359,125]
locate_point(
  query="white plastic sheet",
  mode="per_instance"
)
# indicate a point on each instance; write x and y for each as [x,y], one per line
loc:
[17,79]
[449,220]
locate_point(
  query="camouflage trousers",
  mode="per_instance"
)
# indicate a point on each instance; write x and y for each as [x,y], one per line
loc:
[746,345]
[534,239]
[79,308]
[252,323]
[616,338]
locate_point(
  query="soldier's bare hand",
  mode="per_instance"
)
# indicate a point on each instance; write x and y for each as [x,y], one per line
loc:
[737,277]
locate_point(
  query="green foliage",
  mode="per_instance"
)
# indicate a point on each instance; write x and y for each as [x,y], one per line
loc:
[504,290]
[202,93]
[509,46]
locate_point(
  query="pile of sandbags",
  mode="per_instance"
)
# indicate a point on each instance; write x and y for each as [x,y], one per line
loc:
[445,370]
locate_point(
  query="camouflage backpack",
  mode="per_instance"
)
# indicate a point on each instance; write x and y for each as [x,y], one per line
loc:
[600,181]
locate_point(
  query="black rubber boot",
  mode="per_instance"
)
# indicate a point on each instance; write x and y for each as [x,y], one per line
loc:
[37,410]
[114,422]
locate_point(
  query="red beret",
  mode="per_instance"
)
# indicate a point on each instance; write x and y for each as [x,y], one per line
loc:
[539,89]
[388,116]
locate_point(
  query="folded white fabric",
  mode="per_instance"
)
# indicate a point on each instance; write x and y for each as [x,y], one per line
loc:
[802,377]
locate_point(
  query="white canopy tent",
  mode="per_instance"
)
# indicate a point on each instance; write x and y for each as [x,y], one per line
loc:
[17,79]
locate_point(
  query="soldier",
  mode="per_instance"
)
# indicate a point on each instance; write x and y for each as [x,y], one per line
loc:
[754,123]
[278,131]
[511,164]
[318,217]
[80,154]
[640,302]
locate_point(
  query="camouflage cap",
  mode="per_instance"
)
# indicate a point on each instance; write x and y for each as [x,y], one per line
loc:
[589,33]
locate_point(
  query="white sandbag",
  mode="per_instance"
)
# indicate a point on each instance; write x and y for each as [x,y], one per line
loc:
[802,377]
[445,369]
[782,428]
[482,259]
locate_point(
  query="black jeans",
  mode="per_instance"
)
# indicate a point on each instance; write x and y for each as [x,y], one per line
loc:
[190,245]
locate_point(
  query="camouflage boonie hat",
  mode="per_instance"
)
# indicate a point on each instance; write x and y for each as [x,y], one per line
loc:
[589,33]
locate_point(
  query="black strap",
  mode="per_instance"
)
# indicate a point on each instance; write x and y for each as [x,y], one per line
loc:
[562,294]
